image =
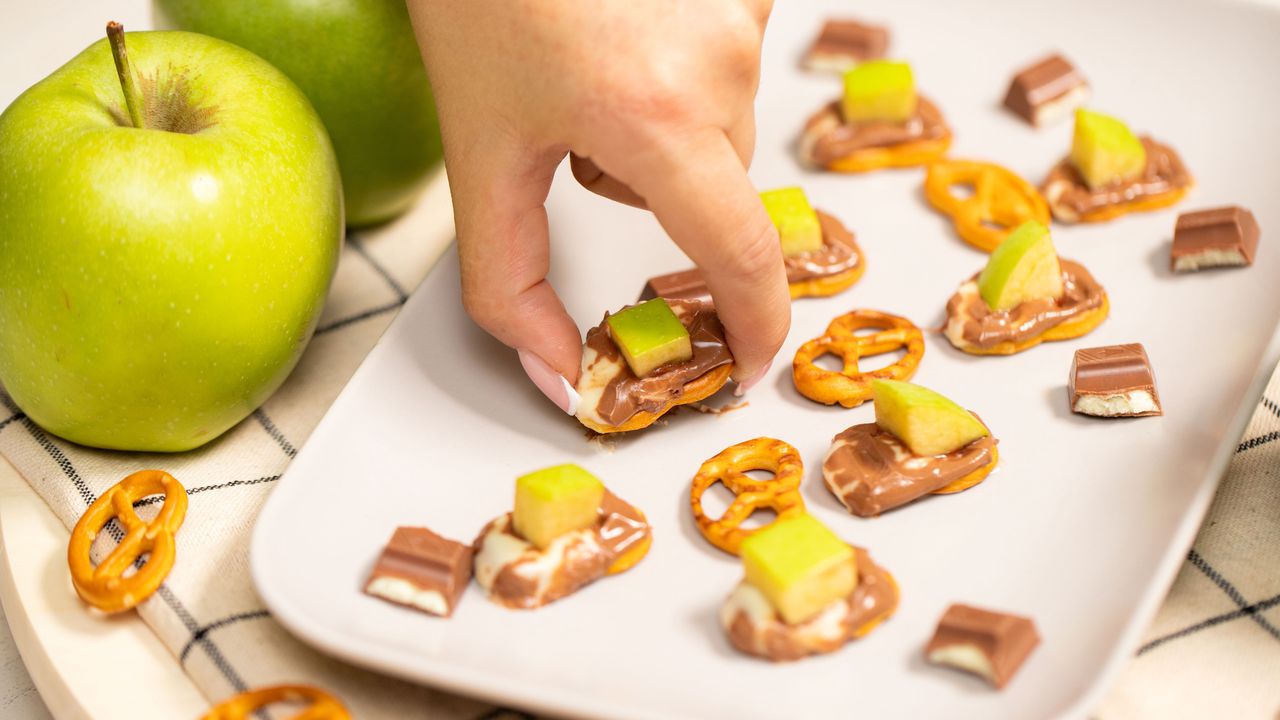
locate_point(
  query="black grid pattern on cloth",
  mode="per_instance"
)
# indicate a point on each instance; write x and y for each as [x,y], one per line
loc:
[1244,608]
[285,446]
[358,247]
[200,635]
[215,655]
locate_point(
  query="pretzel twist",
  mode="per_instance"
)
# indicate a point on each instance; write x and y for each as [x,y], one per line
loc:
[1000,202]
[320,704]
[851,387]
[781,493]
[105,587]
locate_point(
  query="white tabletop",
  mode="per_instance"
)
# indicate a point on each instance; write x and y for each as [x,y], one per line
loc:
[145,662]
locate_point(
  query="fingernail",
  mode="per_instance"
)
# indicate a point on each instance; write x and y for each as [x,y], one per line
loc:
[551,383]
[750,382]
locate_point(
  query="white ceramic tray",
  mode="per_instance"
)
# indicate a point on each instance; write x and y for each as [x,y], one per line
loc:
[1081,527]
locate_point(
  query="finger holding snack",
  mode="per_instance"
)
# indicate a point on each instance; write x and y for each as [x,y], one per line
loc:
[671,127]
[646,359]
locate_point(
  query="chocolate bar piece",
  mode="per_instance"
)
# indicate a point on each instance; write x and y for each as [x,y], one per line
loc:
[1219,237]
[843,44]
[422,570]
[990,644]
[1046,91]
[1113,381]
[683,285]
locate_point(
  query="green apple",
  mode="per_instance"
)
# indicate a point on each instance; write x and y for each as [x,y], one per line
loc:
[1105,150]
[649,336]
[554,501]
[796,220]
[879,90]
[926,422]
[800,566]
[358,62]
[160,282]
[1023,267]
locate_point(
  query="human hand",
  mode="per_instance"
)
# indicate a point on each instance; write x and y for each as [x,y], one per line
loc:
[654,102]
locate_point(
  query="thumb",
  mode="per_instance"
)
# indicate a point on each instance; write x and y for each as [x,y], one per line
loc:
[697,187]
[503,248]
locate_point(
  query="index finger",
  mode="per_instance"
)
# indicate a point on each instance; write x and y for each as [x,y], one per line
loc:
[697,187]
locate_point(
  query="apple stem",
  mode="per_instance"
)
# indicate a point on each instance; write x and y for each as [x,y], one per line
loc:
[124,69]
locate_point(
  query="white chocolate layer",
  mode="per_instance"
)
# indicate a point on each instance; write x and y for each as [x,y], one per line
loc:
[1131,403]
[597,372]
[399,590]
[828,626]
[1059,108]
[965,657]
[1226,257]
[499,548]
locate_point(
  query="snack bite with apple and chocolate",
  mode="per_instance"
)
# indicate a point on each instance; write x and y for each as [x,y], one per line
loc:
[566,531]
[648,358]
[1112,172]
[820,254]
[920,443]
[1025,295]
[879,122]
[805,592]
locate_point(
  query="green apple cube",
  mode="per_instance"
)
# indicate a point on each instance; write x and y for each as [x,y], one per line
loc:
[650,336]
[800,566]
[1024,267]
[1105,150]
[796,220]
[554,501]
[879,90]
[926,422]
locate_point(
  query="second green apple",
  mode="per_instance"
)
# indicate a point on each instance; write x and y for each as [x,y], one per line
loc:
[358,63]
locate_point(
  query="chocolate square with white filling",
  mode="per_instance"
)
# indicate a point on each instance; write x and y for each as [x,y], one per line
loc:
[842,44]
[1046,91]
[421,570]
[1113,381]
[1217,237]
[990,644]
[682,285]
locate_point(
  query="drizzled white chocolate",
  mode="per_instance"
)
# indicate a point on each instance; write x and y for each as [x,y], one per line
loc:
[517,574]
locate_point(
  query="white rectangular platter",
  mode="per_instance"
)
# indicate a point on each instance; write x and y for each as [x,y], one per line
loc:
[1081,527]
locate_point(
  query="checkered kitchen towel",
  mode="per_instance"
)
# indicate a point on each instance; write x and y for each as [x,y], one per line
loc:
[1213,651]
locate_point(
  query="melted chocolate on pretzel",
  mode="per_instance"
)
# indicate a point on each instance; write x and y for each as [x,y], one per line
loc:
[971,319]
[870,471]
[1065,188]
[528,580]
[838,254]
[874,599]
[840,139]
[626,394]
